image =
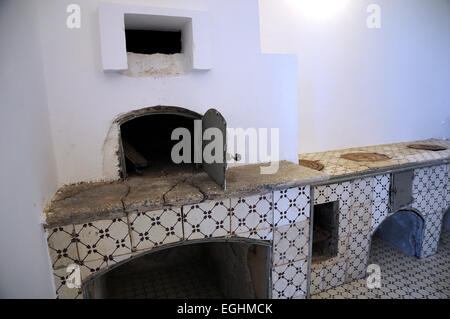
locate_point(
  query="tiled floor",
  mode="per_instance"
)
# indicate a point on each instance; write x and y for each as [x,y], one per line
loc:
[402,276]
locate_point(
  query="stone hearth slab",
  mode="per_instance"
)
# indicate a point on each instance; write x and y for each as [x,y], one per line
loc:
[87,202]
[400,155]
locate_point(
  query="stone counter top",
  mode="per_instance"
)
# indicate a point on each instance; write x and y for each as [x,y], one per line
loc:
[398,155]
[86,202]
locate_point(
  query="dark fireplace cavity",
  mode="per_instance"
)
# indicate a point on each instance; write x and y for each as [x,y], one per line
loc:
[325,231]
[213,270]
[146,144]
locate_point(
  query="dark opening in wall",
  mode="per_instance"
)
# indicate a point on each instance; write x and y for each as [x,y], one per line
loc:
[403,230]
[147,144]
[208,270]
[325,231]
[151,42]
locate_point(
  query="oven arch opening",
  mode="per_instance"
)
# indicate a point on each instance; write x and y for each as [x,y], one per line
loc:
[213,268]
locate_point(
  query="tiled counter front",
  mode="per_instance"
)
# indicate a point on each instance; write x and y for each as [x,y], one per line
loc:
[280,217]
[363,204]
[431,199]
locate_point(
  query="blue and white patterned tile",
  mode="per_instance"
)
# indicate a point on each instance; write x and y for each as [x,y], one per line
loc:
[291,205]
[155,228]
[381,187]
[361,219]
[103,239]
[250,214]
[289,280]
[291,243]
[206,220]
[362,192]
[62,246]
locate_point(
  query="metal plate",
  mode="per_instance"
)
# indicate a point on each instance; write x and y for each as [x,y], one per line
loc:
[401,189]
[217,171]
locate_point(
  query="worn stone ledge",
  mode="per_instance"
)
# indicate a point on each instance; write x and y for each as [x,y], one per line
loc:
[87,202]
[399,155]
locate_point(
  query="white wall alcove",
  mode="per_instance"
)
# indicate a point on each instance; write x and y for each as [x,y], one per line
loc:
[115,18]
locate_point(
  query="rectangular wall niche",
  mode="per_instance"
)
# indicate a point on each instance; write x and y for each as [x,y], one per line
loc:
[325,231]
[147,41]
[151,42]
[158,46]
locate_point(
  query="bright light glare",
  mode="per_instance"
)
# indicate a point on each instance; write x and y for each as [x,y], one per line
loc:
[320,9]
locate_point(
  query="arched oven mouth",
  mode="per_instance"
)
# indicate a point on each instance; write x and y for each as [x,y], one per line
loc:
[148,137]
[213,268]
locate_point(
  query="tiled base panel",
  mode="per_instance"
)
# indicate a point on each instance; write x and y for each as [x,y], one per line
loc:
[402,276]
[281,218]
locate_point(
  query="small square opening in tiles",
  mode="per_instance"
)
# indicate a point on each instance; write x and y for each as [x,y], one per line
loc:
[325,231]
[210,270]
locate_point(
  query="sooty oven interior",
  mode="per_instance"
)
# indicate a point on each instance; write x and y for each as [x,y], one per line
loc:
[325,231]
[146,142]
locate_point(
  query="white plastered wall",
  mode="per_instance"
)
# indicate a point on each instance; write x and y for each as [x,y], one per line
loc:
[27,163]
[360,86]
[249,88]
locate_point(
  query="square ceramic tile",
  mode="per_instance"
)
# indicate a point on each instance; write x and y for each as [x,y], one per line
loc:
[356,268]
[380,211]
[62,246]
[362,192]
[289,281]
[249,214]
[291,243]
[206,220]
[291,205]
[103,239]
[421,202]
[61,277]
[343,193]
[156,228]
[438,176]
[437,201]
[89,268]
[361,218]
[334,275]
[345,221]
[381,187]
[322,194]
[316,281]
[431,234]
[421,180]
[358,245]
